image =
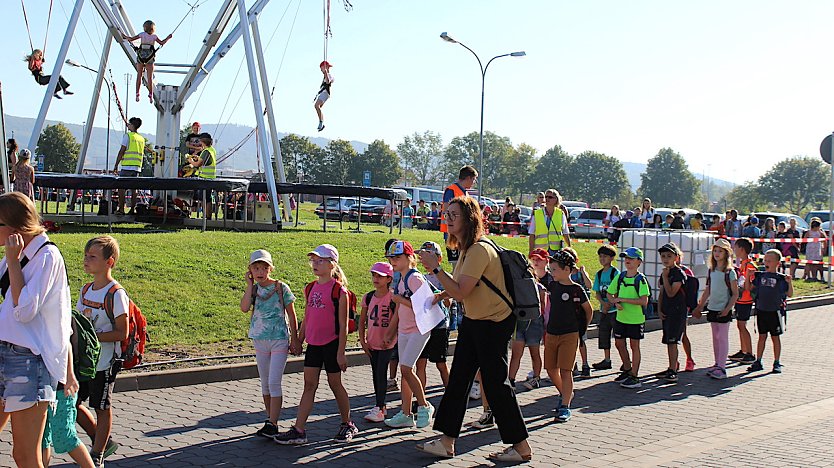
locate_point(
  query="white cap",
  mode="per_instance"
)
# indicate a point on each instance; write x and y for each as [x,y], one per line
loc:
[326,251]
[261,256]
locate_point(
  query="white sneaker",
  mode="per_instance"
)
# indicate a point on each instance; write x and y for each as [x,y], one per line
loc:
[475,392]
[376,414]
[530,375]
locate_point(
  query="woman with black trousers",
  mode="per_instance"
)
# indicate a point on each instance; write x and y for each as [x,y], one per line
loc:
[483,336]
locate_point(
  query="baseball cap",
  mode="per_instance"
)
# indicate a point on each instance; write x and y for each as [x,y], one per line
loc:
[261,255]
[670,247]
[400,248]
[432,247]
[754,220]
[197,124]
[539,253]
[723,244]
[24,154]
[325,63]
[609,250]
[325,251]
[632,252]
[564,257]
[382,269]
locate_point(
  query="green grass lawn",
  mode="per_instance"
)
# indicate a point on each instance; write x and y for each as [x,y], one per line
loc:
[189,283]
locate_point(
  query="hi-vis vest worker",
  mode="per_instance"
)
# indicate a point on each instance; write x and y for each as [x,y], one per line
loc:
[135,152]
[549,228]
[455,188]
[209,168]
[466,179]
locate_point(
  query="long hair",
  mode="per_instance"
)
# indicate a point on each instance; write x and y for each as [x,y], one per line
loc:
[13,146]
[725,264]
[18,211]
[338,274]
[473,222]
[27,58]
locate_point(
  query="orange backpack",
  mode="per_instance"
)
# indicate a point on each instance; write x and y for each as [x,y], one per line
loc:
[132,347]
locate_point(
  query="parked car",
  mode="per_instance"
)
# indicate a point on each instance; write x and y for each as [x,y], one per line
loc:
[571,204]
[666,211]
[337,208]
[821,214]
[588,222]
[801,225]
[372,209]
[422,193]
[708,219]
[525,215]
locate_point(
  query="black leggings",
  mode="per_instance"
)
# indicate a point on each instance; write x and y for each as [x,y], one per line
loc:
[482,344]
[44,80]
[379,370]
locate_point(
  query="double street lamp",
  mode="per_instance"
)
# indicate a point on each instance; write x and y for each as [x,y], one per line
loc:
[449,39]
[109,100]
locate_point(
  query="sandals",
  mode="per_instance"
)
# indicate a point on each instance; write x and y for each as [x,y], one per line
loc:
[436,448]
[509,454]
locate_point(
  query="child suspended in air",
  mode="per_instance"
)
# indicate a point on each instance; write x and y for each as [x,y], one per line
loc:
[35,61]
[146,55]
[324,90]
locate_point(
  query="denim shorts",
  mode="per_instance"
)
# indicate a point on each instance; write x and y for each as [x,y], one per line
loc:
[530,332]
[24,379]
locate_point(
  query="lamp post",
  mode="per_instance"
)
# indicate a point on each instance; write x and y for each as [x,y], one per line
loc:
[449,39]
[109,100]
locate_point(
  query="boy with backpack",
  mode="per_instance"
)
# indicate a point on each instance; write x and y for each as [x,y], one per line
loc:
[630,293]
[105,303]
[770,290]
[744,304]
[607,310]
[671,306]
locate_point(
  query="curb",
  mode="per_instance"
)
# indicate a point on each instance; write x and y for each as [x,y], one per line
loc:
[248,370]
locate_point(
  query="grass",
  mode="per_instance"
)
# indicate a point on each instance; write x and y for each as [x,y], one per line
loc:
[189,283]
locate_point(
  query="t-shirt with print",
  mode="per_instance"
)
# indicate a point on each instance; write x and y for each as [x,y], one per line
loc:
[770,289]
[675,304]
[483,303]
[380,313]
[566,313]
[601,282]
[408,323]
[269,320]
[719,294]
[628,289]
[91,304]
[320,314]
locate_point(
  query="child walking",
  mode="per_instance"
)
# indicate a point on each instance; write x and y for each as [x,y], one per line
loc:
[718,299]
[146,55]
[629,292]
[273,328]
[375,335]
[771,289]
[580,276]
[410,342]
[530,333]
[325,343]
[744,303]
[671,307]
[437,348]
[608,312]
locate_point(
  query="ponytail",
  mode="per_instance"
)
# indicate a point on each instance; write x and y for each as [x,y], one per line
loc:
[339,275]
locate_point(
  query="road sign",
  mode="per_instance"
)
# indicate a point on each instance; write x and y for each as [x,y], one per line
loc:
[366,179]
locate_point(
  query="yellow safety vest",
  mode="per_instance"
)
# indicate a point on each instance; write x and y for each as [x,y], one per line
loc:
[209,168]
[135,151]
[548,237]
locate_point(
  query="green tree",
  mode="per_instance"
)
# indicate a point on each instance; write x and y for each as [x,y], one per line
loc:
[519,176]
[421,156]
[383,163]
[797,183]
[59,149]
[598,177]
[300,156]
[553,170]
[334,167]
[498,152]
[668,181]
[746,198]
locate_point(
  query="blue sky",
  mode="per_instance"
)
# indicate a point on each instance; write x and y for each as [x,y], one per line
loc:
[733,86]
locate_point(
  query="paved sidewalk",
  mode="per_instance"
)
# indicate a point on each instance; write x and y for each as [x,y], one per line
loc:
[747,420]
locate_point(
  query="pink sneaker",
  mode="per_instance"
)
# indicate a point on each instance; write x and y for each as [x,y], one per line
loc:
[690,365]
[376,414]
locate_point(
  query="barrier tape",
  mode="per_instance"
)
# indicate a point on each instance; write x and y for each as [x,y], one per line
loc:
[798,261]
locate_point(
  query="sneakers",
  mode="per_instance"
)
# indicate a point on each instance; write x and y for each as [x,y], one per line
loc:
[718,373]
[58,96]
[777,367]
[563,414]
[670,376]
[737,357]
[392,385]
[486,420]
[291,437]
[346,432]
[630,382]
[475,392]
[532,384]
[748,359]
[98,458]
[586,372]
[376,414]
[530,375]
[690,365]
[424,415]
[111,447]
[605,364]
[400,420]
[623,376]
[70,93]
[321,126]
[757,366]
[269,431]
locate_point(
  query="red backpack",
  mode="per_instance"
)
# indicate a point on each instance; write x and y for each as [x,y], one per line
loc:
[132,347]
[334,295]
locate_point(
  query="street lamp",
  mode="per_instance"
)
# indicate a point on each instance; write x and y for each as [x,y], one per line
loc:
[109,100]
[449,39]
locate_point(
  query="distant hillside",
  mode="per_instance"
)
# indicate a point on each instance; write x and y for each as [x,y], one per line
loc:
[633,170]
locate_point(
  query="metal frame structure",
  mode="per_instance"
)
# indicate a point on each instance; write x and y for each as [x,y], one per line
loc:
[168,99]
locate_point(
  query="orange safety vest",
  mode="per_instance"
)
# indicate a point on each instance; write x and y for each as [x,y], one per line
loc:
[458,193]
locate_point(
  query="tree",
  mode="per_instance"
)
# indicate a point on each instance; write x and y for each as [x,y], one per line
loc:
[59,149]
[334,166]
[383,163]
[797,183]
[421,155]
[668,181]
[498,152]
[746,198]
[300,156]
[598,177]
[553,171]
[518,171]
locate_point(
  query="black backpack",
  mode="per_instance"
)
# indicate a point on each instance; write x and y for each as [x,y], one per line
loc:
[519,281]
[690,287]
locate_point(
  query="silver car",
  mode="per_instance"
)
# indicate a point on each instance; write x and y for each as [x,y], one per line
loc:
[588,222]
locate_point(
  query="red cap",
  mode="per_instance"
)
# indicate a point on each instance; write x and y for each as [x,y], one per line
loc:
[325,63]
[540,254]
[195,123]
[400,248]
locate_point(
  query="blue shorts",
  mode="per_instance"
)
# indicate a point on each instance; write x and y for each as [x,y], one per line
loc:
[530,332]
[24,379]
[60,430]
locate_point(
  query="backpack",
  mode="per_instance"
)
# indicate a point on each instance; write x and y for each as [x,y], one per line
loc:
[519,281]
[132,347]
[610,275]
[433,289]
[335,295]
[86,348]
[690,289]
[648,309]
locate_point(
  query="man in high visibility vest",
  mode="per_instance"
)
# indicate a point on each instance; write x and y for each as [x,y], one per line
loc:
[466,179]
[131,155]
[549,224]
[206,169]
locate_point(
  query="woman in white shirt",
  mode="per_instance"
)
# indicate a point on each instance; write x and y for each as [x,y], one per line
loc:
[648,214]
[34,325]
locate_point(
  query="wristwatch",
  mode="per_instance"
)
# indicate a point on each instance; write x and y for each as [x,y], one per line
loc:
[436,270]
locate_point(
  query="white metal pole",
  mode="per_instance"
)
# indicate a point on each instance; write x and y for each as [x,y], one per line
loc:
[56,72]
[256,102]
[91,112]
[4,157]
[277,160]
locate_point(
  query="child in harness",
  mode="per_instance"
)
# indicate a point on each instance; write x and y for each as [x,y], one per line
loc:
[35,61]
[146,54]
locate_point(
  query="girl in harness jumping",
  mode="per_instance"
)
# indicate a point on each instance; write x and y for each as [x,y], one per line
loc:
[324,91]
[35,61]
[146,55]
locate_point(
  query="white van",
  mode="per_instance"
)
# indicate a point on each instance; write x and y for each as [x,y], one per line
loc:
[421,193]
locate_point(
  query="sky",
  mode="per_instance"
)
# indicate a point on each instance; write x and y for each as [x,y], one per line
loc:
[734,87]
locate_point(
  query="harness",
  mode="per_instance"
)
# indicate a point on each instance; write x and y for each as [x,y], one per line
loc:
[145,52]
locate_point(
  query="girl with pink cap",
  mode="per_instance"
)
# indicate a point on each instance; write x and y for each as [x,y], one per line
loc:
[376,336]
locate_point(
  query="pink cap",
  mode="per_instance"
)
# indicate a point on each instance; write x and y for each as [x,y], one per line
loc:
[383,269]
[325,251]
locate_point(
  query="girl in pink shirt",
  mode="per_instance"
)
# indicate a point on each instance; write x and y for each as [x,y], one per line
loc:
[379,340]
